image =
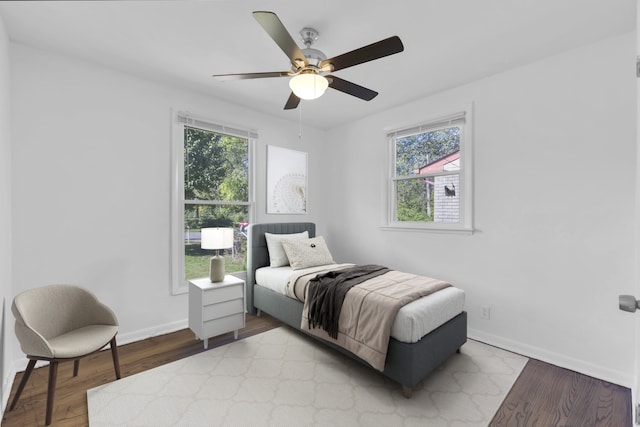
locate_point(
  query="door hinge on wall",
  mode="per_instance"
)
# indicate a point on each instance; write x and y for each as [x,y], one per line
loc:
[638,413]
[638,66]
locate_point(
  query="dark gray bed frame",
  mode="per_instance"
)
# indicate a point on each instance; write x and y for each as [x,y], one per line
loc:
[407,364]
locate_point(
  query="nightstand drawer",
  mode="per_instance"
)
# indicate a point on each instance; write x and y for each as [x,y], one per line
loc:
[223,325]
[216,308]
[226,293]
[222,309]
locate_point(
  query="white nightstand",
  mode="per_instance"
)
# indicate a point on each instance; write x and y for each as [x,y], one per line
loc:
[216,308]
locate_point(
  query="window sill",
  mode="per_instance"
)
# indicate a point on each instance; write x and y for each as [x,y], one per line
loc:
[439,230]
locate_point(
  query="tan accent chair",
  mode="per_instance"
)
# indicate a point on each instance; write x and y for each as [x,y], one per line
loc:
[59,323]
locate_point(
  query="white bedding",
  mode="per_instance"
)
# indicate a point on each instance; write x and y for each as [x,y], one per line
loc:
[412,322]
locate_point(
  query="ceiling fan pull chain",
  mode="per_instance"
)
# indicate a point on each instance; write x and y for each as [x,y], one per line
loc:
[300,122]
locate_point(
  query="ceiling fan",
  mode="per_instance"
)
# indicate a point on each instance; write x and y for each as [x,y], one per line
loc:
[310,67]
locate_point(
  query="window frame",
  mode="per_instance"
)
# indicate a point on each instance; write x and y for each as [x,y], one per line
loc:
[462,117]
[180,120]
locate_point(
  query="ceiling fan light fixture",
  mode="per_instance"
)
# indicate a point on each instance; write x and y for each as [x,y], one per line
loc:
[308,85]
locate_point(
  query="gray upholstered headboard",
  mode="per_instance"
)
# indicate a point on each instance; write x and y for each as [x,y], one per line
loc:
[257,253]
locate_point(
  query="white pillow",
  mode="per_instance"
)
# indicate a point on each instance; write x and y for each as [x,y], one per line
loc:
[277,256]
[307,253]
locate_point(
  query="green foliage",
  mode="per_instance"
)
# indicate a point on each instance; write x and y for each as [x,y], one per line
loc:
[216,170]
[215,166]
[415,201]
[234,187]
[197,261]
[202,216]
[416,151]
[413,214]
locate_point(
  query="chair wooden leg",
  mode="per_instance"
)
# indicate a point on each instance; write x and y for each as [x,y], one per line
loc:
[116,360]
[76,367]
[51,391]
[23,382]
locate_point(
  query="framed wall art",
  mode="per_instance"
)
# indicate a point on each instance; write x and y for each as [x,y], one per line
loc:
[286,181]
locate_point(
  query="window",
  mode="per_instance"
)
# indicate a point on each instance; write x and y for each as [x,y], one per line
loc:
[430,176]
[212,188]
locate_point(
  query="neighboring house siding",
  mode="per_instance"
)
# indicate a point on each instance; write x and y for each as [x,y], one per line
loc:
[446,208]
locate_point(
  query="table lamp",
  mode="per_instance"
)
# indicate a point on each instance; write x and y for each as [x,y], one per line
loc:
[216,238]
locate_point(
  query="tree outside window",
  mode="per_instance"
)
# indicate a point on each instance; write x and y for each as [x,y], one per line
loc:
[216,194]
[428,186]
[419,160]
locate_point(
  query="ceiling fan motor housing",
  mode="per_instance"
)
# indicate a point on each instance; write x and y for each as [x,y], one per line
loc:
[314,56]
[309,36]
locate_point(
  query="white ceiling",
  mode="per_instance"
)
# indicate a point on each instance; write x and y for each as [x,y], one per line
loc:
[447,42]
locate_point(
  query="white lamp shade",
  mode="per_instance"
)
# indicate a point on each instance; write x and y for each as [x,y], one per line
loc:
[308,86]
[216,238]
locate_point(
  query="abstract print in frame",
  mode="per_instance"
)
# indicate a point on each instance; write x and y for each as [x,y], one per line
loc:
[286,181]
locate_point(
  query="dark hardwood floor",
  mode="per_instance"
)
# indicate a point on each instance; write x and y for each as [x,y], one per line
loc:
[70,405]
[546,395]
[543,396]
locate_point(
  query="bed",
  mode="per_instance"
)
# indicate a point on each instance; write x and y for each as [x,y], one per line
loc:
[407,363]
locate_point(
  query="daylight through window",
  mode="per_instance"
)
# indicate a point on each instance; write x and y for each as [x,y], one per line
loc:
[214,192]
[427,181]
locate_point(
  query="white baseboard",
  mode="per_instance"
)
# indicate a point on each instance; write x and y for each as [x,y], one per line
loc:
[6,390]
[563,361]
[143,334]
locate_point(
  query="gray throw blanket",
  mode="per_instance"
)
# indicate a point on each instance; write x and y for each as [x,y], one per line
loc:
[327,292]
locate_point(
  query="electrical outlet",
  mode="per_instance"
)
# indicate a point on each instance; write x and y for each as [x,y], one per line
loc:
[485,312]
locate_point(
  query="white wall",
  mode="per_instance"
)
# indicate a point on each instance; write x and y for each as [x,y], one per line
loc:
[91,182]
[635,390]
[6,345]
[555,145]
[554,168]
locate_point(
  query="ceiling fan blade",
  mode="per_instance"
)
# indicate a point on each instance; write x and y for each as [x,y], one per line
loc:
[277,31]
[292,102]
[368,53]
[245,76]
[351,88]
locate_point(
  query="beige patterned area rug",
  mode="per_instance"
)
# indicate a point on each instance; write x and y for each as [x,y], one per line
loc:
[283,378]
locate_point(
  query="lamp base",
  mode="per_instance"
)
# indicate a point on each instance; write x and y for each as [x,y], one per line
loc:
[216,269]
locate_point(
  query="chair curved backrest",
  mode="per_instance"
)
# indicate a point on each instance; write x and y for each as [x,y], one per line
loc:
[59,323]
[47,312]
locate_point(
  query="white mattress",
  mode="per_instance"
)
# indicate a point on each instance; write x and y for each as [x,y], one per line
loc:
[412,322]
